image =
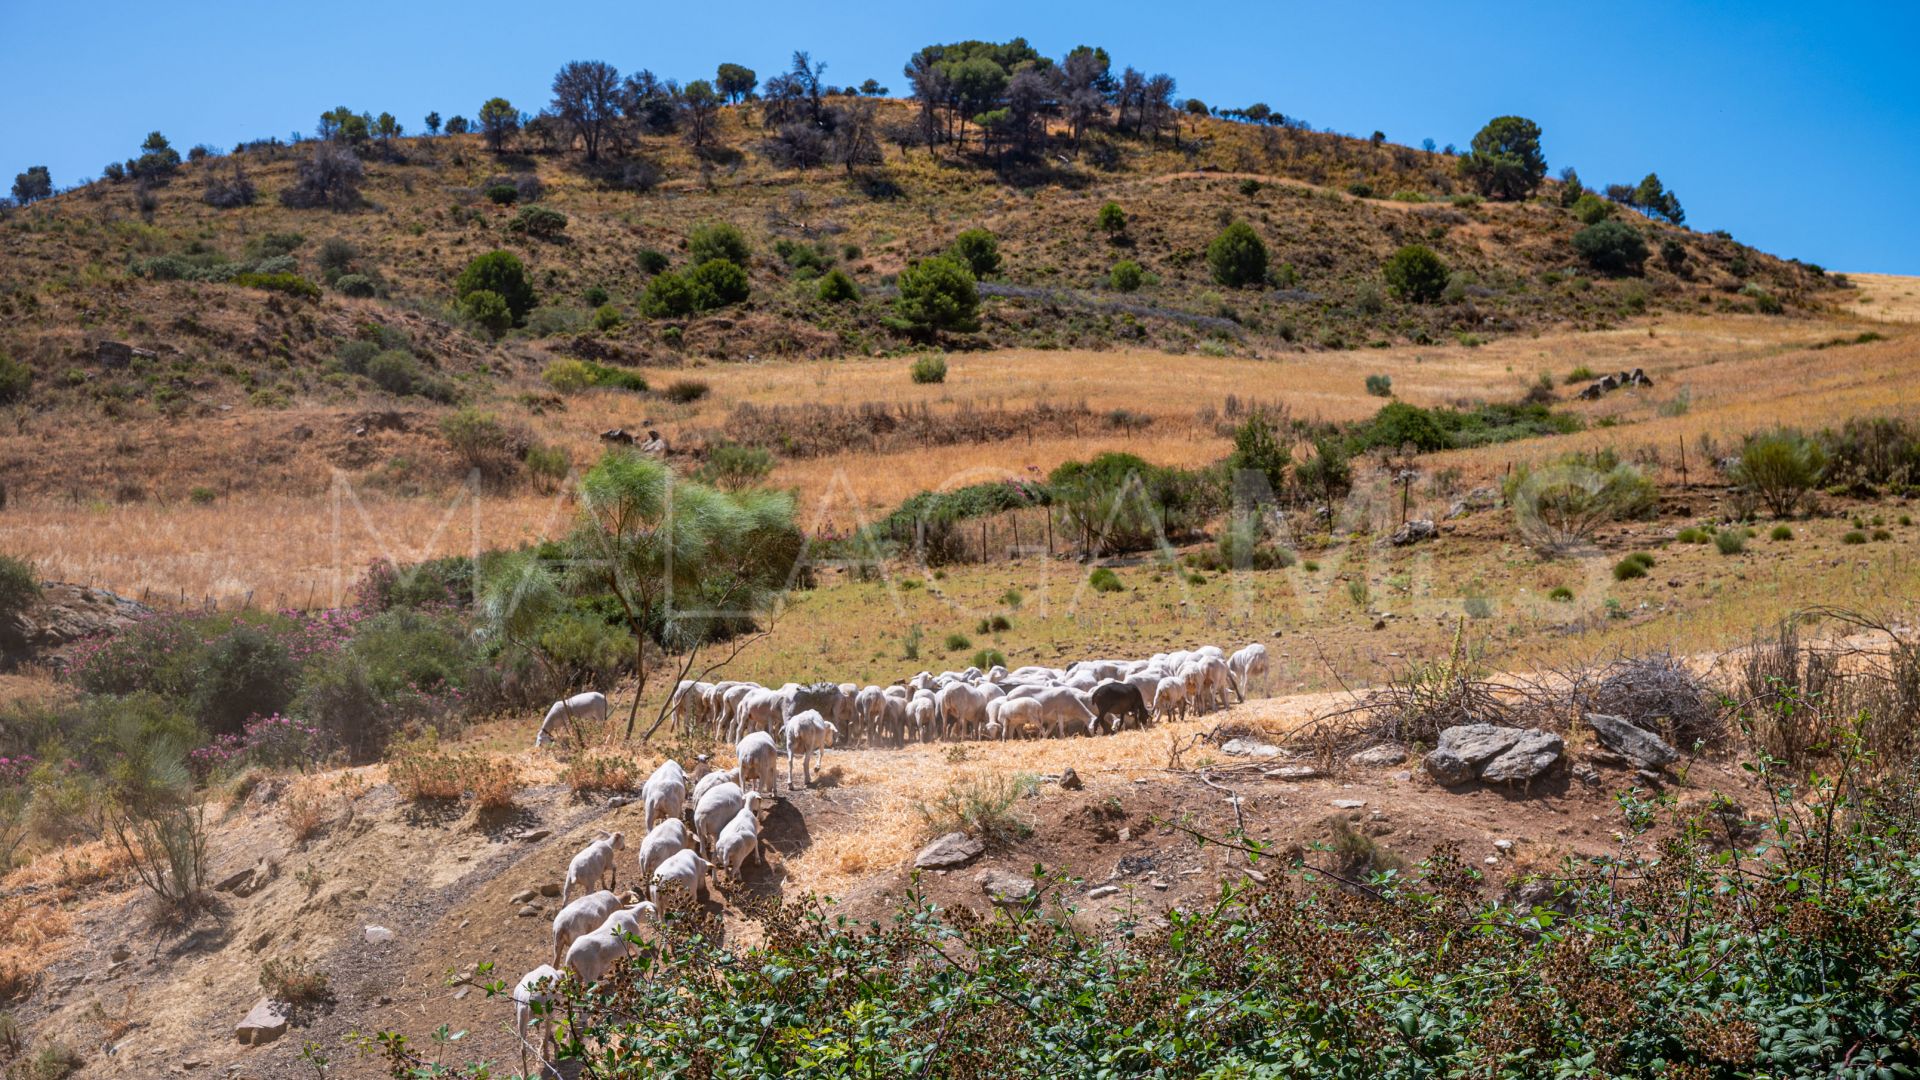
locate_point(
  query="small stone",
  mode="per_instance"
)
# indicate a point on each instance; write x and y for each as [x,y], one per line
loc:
[1586,774]
[1245,747]
[1070,780]
[1503,845]
[1255,876]
[1636,744]
[619,801]
[1159,884]
[952,850]
[1491,860]
[119,952]
[534,835]
[548,888]
[461,994]
[524,896]
[378,935]
[528,912]
[1382,755]
[1292,772]
[383,1000]
[263,1024]
[1102,891]
[1126,834]
[1347,804]
[1004,887]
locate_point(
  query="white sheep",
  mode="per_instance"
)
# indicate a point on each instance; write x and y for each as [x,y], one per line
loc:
[535,987]
[1170,698]
[580,917]
[713,780]
[632,920]
[756,753]
[662,842]
[738,841]
[587,706]
[718,808]
[808,733]
[591,956]
[1249,669]
[665,793]
[595,861]
[684,873]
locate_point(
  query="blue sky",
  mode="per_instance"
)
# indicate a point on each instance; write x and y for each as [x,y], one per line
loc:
[1794,126]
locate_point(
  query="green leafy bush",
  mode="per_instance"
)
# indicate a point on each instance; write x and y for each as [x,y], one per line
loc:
[717,240]
[16,379]
[501,273]
[733,467]
[1560,506]
[1380,385]
[606,317]
[1415,274]
[1730,541]
[19,587]
[717,283]
[1591,209]
[541,222]
[1103,579]
[1126,276]
[938,294]
[488,310]
[1560,594]
[669,295]
[1694,534]
[1237,256]
[1853,536]
[1781,532]
[1782,467]
[569,375]
[1112,219]
[957,641]
[1612,247]
[929,368]
[979,250]
[836,287]
[291,284]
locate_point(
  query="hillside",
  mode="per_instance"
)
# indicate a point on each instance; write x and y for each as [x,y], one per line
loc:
[93,266]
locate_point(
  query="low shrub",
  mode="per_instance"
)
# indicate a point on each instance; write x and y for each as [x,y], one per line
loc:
[16,379]
[837,287]
[1730,541]
[1612,247]
[1380,385]
[1103,579]
[291,284]
[603,772]
[1126,276]
[1694,534]
[930,368]
[957,641]
[19,587]
[732,466]
[540,222]
[1854,536]
[988,658]
[1560,594]
[984,807]
[294,980]
[686,391]
[1781,532]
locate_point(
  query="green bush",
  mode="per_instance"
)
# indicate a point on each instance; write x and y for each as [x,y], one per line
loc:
[979,250]
[16,379]
[717,240]
[248,671]
[1694,534]
[717,283]
[1257,447]
[1612,247]
[733,467]
[938,294]
[1112,219]
[1763,301]
[836,287]
[668,295]
[1629,568]
[1591,209]
[1126,276]
[651,261]
[1415,274]
[291,284]
[571,376]
[19,587]
[501,273]
[1380,385]
[1506,161]
[1730,541]
[1854,536]
[1104,580]
[1560,594]
[1561,505]
[540,222]
[606,317]
[503,194]
[547,463]
[488,310]
[358,286]
[987,659]
[1782,467]
[395,371]
[1781,532]
[957,641]
[1237,256]
[929,368]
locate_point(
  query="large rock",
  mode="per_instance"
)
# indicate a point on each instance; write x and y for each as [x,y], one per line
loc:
[262,1025]
[64,614]
[953,850]
[1493,753]
[1005,886]
[249,881]
[1250,747]
[1636,744]
[1413,532]
[1382,755]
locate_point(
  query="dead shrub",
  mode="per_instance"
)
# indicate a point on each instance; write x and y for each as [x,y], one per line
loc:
[294,980]
[305,813]
[602,772]
[1354,854]
[421,772]
[1659,693]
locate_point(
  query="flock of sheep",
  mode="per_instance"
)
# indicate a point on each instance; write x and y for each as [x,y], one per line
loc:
[712,826]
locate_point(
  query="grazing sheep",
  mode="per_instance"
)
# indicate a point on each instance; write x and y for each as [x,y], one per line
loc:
[713,780]
[1248,667]
[592,955]
[535,987]
[738,842]
[685,872]
[594,862]
[632,920]
[713,811]
[809,733]
[587,706]
[1217,682]
[1120,700]
[1019,717]
[760,710]
[663,841]
[665,793]
[580,917]
[756,754]
[920,713]
[1170,698]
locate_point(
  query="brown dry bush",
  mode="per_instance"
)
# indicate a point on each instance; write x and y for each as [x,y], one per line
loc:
[1656,692]
[294,980]
[1799,700]
[602,772]
[803,431]
[423,773]
[305,813]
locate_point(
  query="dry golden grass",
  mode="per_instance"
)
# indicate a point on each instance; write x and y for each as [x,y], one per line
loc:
[1888,297]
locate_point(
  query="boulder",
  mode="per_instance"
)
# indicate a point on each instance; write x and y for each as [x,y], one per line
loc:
[1493,753]
[1070,780]
[248,881]
[953,850]
[1247,747]
[1382,755]
[1636,744]
[263,1024]
[65,614]
[1004,886]
[1292,772]
[377,935]
[1413,532]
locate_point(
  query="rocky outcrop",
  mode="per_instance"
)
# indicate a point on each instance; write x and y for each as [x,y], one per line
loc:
[1496,754]
[265,1022]
[63,615]
[1413,532]
[953,850]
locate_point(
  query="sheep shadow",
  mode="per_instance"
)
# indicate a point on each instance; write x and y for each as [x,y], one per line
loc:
[784,829]
[503,823]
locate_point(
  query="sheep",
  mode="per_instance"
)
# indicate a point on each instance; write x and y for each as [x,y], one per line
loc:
[535,988]
[760,710]
[808,733]
[587,706]
[594,862]
[1217,681]
[739,841]
[1120,700]
[920,713]
[665,793]
[756,755]
[663,841]
[592,955]
[684,872]
[580,917]
[689,703]
[632,921]
[1170,698]
[713,780]
[1249,669]
[717,808]
[1018,717]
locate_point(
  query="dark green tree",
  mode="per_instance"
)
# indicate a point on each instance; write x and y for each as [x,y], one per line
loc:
[1506,162]
[502,273]
[736,82]
[433,123]
[1113,220]
[979,249]
[1612,247]
[1416,274]
[1238,257]
[498,121]
[938,294]
[35,183]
